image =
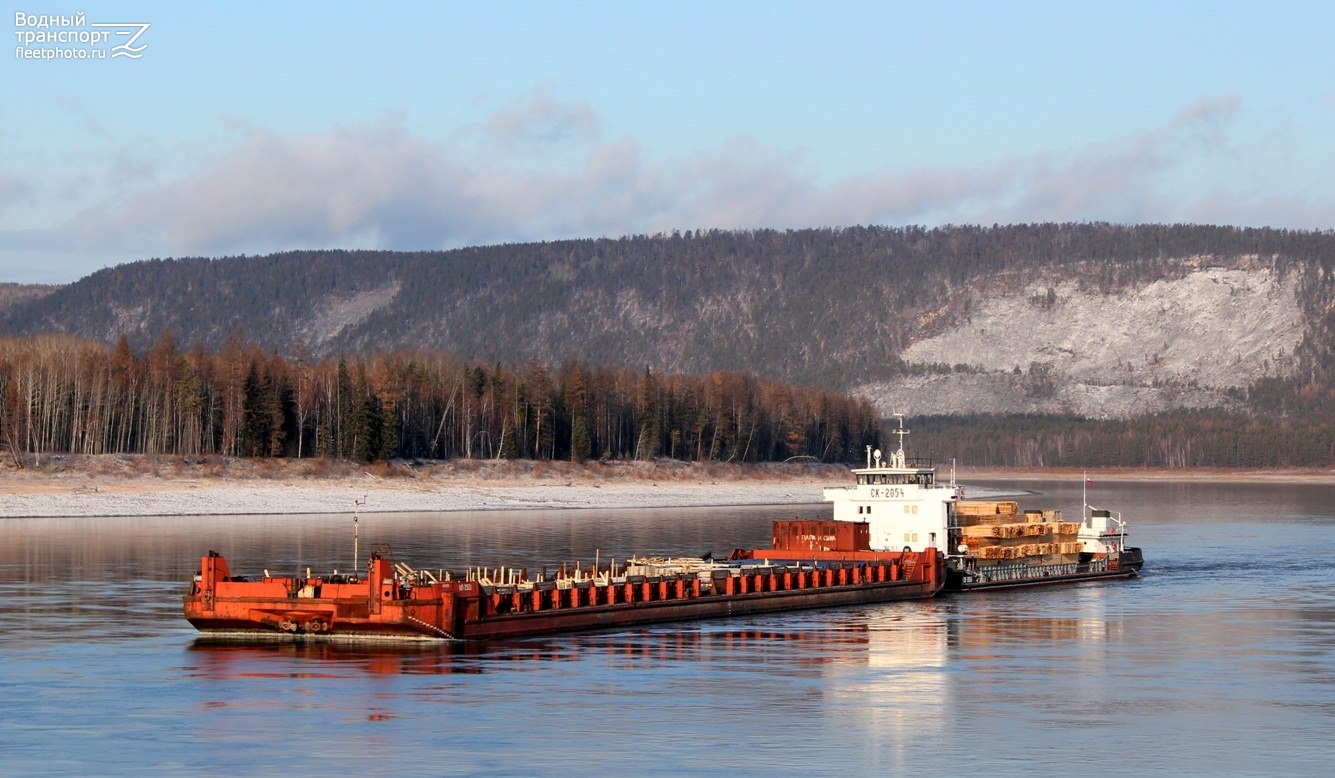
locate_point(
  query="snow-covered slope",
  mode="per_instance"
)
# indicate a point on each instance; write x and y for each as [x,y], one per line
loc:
[1060,349]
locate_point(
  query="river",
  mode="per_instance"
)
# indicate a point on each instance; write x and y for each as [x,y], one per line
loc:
[1219,660]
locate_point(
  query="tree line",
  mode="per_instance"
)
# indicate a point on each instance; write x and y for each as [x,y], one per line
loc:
[1178,439]
[62,394]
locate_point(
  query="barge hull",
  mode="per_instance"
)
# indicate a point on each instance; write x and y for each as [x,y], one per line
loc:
[717,606]
[387,605]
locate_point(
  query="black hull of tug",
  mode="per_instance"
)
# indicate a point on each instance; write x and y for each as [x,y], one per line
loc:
[1129,564]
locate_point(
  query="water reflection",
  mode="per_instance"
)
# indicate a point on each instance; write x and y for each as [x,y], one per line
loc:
[223,661]
[1231,630]
[901,695]
[681,643]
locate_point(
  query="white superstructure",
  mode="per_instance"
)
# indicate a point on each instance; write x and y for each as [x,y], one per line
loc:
[901,501]
[1102,532]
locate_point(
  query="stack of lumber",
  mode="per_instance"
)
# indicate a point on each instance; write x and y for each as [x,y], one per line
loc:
[996,531]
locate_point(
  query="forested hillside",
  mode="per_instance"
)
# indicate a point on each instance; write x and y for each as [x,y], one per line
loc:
[1055,321]
[824,307]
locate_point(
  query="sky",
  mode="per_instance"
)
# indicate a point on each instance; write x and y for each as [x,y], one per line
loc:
[248,128]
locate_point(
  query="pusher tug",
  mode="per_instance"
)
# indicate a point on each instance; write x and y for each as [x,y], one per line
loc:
[987,544]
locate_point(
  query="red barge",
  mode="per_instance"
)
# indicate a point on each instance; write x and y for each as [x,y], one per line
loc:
[394,601]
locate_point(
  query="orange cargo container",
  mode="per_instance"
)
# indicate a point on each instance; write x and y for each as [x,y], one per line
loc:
[821,535]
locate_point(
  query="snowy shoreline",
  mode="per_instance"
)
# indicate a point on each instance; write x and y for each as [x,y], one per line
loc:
[32,493]
[223,499]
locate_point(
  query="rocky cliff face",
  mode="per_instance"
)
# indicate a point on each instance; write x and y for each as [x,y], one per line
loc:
[1058,348]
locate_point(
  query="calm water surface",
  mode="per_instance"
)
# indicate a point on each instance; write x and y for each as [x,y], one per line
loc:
[1219,660]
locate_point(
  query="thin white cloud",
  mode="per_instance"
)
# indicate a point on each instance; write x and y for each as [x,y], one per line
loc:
[1127,179]
[86,119]
[1209,118]
[14,189]
[284,191]
[543,118]
[379,185]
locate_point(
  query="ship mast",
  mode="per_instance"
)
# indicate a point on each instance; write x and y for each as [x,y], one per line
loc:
[899,460]
[356,517]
